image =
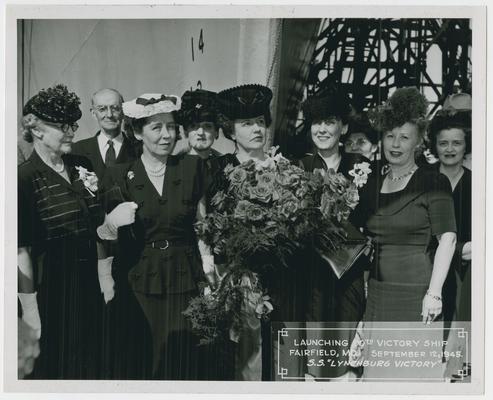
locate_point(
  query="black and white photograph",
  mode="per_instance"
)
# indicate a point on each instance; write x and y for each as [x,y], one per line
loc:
[213,196]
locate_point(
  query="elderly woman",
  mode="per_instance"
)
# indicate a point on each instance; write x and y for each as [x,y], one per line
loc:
[159,249]
[412,207]
[450,141]
[57,253]
[198,116]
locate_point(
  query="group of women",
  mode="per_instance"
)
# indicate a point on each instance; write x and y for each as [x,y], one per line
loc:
[136,227]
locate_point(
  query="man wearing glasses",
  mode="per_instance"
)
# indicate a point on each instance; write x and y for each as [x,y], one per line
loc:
[109,146]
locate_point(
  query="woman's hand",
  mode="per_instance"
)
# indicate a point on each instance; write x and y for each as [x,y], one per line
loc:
[466,252]
[357,347]
[123,214]
[432,307]
[209,270]
[106,282]
[27,348]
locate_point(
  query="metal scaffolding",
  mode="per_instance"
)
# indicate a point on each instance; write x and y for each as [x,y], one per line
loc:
[369,57]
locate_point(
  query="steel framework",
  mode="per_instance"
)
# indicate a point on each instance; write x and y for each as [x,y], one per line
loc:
[369,57]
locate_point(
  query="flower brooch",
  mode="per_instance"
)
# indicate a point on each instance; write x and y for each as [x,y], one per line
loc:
[89,179]
[360,173]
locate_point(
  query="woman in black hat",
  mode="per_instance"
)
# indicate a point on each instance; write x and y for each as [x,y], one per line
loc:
[57,256]
[333,300]
[158,251]
[361,137]
[245,117]
[198,116]
[413,206]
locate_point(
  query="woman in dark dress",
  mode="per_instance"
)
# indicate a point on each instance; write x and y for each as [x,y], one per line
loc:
[413,206]
[332,300]
[245,117]
[450,141]
[58,212]
[159,249]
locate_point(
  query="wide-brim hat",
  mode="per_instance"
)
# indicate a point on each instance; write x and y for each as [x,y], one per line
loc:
[198,106]
[335,104]
[55,104]
[149,104]
[245,101]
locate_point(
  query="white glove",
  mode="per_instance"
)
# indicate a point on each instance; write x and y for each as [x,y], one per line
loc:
[106,282]
[30,311]
[209,270]
[27,349]
[123,214]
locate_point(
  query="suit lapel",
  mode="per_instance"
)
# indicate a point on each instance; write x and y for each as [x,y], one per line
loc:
[94,155]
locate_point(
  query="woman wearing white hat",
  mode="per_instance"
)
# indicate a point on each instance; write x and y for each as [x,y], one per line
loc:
[159,248]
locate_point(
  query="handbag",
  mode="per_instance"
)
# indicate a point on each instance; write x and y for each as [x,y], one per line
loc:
[344,257]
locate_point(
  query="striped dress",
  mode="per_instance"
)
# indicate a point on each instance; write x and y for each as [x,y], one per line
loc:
[57,221]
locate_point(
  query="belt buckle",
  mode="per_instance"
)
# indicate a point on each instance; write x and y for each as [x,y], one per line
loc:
[162,248]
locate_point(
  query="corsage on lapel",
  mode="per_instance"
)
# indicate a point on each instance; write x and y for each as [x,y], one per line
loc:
[130,175]
[89,179]
[360,173]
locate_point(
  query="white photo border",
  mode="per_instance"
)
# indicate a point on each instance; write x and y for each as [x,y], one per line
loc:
[477,14]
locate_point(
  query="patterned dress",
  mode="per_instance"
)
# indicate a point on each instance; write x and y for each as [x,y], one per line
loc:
[57,220]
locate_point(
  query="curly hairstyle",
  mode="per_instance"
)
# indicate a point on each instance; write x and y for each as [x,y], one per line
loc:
[227,124]
[449,120]
[405,105]
[29,122]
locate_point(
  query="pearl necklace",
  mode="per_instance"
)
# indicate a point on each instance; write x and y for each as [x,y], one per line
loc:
[400,177]
[154,172]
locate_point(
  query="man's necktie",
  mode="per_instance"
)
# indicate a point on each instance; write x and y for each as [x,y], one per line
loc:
[110,157]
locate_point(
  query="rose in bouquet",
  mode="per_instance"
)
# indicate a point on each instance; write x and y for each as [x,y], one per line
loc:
[267,211]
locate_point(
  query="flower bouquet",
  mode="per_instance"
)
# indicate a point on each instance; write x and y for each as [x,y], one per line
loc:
[267,211]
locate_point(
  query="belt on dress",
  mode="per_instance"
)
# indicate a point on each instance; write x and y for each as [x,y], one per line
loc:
[164,244]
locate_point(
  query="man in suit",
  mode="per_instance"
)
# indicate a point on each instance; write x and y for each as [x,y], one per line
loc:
[109,146]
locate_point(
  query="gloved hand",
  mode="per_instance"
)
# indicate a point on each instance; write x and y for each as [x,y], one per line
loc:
[123,214]
[27,349]
[30,311]
[209,270]
[106,282]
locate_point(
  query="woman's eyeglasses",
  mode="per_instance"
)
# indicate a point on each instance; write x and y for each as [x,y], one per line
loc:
[359,143]
[64,127]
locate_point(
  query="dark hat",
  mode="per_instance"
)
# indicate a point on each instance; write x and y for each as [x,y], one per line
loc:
[198,106]
[335,104]
[246,101]
[360,123]
[55,104]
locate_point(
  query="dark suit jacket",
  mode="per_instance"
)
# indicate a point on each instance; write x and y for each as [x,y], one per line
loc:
[89,148]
